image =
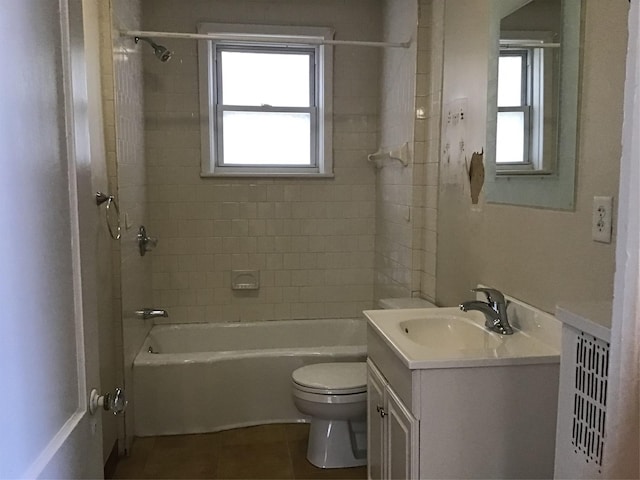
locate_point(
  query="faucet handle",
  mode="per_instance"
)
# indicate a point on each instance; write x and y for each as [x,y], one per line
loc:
[493,295]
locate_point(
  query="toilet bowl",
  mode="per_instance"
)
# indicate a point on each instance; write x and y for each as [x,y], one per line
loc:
[334,395]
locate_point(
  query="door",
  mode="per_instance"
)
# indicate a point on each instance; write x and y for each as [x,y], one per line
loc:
[401,455]
[375,422]
[48,344]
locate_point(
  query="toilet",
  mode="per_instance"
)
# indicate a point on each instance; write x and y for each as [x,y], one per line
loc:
[334,395]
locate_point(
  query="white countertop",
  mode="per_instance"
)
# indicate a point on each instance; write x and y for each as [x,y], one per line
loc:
[593,318]
[523,347]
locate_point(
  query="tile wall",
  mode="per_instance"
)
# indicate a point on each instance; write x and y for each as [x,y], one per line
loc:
[427,144]
[407,197]
[124,135]
[311,239]
[395,215]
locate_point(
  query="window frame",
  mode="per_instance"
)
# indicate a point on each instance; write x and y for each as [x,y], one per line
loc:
[525,108]
[538,96]
[321,97]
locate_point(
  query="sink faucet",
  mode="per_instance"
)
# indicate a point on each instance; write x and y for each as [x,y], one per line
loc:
[151,313]
[494,309]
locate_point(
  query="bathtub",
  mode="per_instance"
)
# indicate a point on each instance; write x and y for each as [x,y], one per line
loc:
[215,376]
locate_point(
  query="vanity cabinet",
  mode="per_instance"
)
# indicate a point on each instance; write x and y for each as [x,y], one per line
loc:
[454,419]
[393,431]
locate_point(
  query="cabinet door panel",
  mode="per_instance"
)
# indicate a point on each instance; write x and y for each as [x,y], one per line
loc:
[375,435]
[402,435]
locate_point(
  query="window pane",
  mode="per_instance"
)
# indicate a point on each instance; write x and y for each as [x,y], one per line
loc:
[510,137]
[510,81]
[265,78]
[267,138]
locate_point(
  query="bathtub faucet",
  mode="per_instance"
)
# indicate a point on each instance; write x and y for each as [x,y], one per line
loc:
[146,313]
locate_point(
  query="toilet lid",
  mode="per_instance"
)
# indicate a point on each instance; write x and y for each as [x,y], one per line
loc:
[332,378]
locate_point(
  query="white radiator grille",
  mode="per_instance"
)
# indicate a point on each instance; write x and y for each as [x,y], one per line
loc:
[590,397]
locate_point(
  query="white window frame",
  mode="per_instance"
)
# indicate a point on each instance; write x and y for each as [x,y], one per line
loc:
[321,109]
[536,96]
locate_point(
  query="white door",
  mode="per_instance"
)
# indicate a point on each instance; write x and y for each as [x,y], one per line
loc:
[48,343]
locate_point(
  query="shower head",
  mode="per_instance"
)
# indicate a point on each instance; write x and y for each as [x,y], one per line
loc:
[162,53]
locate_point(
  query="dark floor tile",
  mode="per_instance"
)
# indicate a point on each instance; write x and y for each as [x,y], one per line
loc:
[303,469]
[183,456]
[297,431]
[255,461]
[132,465]
[254,435]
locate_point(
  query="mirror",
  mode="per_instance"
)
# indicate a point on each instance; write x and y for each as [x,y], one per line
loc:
[532,102]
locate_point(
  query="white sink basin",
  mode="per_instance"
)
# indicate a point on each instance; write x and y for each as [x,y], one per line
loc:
[449,332]
[449,337]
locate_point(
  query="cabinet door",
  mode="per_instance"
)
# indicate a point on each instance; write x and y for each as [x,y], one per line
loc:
[401,454]
[375,421]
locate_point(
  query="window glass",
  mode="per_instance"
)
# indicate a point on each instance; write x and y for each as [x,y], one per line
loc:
[510,81]
[266,138]
[510,138]
[266,78]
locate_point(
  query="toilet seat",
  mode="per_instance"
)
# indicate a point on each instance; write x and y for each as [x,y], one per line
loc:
[344,378]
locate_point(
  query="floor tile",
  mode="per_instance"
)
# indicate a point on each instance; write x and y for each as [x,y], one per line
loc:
[297,431]
[254,435]
[255,461]
[262,452]
[303,469]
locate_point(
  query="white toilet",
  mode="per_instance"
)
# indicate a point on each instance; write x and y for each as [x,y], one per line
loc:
[335,396]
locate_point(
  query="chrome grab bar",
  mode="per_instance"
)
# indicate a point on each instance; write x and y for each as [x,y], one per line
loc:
[110,200]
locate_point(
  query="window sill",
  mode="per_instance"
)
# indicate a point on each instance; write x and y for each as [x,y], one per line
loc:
[513,172]
[267,175]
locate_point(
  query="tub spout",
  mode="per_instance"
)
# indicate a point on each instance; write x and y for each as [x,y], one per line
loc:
[146,313]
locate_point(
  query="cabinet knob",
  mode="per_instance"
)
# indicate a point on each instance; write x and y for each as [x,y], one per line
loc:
[381,411]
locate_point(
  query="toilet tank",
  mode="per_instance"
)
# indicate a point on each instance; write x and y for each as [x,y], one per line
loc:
[396,303]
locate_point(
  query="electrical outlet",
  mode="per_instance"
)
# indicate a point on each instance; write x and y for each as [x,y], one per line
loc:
[602,221]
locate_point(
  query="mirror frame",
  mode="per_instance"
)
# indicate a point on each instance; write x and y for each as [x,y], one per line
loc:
[554,190]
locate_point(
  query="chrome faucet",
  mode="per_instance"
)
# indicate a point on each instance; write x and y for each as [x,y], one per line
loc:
[146,313]
[494,309]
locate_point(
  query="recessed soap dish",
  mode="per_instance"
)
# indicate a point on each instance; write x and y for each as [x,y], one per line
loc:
[245,279]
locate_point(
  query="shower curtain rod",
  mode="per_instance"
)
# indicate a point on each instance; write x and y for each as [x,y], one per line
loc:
[272,38]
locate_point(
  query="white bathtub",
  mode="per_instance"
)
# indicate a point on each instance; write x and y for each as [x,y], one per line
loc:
[210,377]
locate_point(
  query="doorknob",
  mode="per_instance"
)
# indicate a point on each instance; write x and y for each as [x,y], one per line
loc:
[112,402]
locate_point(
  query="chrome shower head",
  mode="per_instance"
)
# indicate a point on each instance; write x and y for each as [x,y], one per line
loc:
[162,53]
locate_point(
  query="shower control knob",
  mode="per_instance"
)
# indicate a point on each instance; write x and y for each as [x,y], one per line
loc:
[111,402]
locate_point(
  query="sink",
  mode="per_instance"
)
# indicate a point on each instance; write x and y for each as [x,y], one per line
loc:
[450,338]
[449,332]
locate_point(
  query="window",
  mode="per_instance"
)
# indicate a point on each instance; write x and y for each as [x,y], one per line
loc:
[265,104]
[526,94]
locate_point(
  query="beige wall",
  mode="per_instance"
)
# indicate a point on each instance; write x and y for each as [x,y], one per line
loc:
[311,239]
[540,256]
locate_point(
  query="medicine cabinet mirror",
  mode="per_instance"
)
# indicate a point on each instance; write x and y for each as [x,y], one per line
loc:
[532,102]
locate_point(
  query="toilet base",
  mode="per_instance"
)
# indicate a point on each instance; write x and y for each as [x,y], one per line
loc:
[337,443]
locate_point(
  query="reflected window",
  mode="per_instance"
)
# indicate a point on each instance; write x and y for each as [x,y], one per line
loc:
[521,100]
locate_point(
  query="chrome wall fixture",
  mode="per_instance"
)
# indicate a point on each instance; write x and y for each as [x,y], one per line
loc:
[110,200]
[162,53]
[145,242]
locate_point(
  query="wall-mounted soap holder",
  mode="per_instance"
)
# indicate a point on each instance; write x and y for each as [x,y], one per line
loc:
[245,279]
